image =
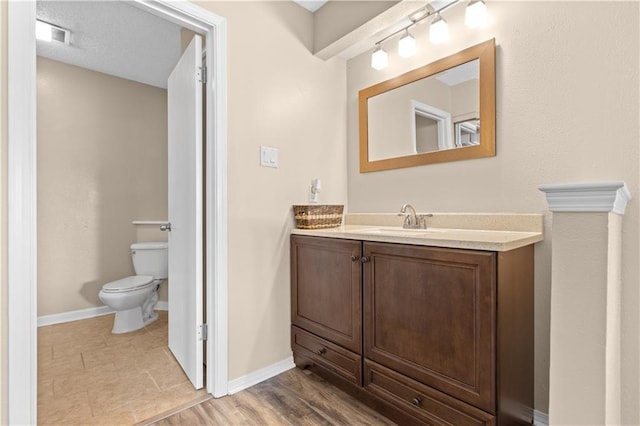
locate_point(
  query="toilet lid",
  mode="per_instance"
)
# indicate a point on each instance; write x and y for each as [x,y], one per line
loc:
[128,284]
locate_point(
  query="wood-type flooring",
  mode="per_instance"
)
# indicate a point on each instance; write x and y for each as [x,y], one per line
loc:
[294,397]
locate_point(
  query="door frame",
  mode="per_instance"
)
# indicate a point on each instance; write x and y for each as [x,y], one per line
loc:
[21,364]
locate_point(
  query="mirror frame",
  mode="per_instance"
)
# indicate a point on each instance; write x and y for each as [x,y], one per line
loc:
[485,53]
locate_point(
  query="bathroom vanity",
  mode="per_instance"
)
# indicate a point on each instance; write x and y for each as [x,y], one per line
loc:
[427,326]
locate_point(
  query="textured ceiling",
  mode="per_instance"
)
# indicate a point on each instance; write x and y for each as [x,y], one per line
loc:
[114,38]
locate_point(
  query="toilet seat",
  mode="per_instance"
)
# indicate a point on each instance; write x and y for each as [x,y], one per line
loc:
[135,282]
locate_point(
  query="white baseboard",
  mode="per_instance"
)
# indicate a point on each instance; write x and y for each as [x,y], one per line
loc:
[540,418]
[74,315]
[244,382]
[86,313]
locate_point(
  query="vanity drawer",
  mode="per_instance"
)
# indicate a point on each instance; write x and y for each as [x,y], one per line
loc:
[426,404]
[328,355]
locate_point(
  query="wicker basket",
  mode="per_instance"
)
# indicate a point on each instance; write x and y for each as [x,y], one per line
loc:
[318,216]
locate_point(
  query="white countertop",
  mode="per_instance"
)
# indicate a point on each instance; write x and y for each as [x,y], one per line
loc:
[475,239]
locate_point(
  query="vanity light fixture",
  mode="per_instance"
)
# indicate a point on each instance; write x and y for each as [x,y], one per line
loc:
[379,58]
[439,30]
[407,45]
[48,32]
[475,16]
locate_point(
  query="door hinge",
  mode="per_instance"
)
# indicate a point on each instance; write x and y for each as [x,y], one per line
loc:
[203,331]
[203,74]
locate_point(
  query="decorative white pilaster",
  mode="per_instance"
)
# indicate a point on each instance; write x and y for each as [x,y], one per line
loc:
[584,385]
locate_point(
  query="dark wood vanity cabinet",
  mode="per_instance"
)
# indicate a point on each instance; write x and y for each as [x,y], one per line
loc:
[326,304]
[429,314]
[445,335]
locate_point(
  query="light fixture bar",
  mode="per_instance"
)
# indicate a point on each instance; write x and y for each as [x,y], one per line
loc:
[475,16]
[414,22]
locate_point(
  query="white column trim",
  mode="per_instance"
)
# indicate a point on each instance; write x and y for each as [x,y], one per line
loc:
[587,197]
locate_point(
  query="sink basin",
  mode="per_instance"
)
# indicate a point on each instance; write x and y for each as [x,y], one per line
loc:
[399,231]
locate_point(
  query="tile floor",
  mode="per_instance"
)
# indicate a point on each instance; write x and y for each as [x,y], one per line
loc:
[86,375]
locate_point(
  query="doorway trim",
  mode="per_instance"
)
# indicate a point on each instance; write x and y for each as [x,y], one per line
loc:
[22,199]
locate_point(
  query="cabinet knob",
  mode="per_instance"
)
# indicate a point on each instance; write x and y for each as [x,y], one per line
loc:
[365,259]
[354,257]
[416,400]
[322,351]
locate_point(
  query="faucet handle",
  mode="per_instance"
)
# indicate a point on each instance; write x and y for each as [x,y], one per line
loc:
[422,220]
[407,219]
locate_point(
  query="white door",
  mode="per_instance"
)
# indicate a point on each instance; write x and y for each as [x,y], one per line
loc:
[184,93]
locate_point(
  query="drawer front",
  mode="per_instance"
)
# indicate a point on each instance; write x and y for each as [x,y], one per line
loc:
[339,360]
[426,404]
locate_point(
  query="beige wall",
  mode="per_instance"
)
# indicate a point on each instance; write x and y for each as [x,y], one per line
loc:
[567,111]
[3,212]
[186,35]
[102,162]
[279,95]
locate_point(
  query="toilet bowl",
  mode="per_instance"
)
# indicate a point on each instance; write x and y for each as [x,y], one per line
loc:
[134,298]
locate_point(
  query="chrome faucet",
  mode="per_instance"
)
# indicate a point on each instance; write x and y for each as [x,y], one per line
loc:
[413,220]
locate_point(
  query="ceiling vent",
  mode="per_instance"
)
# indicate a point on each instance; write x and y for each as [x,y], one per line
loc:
[60,35]
[52,33]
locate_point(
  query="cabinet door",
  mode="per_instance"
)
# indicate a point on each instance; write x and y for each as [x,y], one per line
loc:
[326,289]
[430,314]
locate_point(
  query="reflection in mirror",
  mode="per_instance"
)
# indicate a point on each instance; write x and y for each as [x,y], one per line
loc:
[430,106]
[467,132]
[431,129]
[431,114]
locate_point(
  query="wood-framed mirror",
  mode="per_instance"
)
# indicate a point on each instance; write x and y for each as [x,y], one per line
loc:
[440,112]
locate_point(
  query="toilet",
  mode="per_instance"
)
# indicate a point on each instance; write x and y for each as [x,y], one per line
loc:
[134,298]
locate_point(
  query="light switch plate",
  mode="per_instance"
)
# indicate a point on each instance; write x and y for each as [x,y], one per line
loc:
[268,157]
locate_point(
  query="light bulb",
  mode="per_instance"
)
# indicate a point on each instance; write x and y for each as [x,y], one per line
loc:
[476,14]
[406,45]
[379,59]
[439,30]
[43,31]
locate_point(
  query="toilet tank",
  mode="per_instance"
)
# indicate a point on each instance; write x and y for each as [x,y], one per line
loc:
[151,259]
